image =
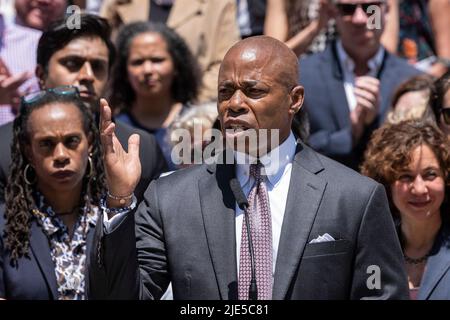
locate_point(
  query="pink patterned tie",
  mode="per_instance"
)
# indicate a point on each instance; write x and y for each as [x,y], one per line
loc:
[261,232]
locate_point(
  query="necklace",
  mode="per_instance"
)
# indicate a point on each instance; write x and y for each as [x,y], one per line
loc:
[67,212]
[410,260]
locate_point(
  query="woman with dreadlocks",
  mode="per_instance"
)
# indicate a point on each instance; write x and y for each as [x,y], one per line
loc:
[52,197]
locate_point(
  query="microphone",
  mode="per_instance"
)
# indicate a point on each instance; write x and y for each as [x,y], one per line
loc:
[242,202]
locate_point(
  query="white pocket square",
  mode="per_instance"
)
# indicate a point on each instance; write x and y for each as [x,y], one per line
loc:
[323,238]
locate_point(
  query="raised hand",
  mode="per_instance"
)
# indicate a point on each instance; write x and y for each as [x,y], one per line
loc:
[123,169]
[357,123]
[326,12]
[367,92]
[9,86]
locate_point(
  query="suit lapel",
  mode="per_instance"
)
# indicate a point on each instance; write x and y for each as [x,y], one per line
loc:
[90,237]
[41,250]
[333,78]
[218,210]
[305,193]
[133,10]
[437,265]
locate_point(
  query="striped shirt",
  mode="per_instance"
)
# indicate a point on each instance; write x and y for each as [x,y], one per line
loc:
[18,46]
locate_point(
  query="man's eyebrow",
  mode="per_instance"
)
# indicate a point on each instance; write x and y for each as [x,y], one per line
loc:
[245,82]
[80,57]
[226,83]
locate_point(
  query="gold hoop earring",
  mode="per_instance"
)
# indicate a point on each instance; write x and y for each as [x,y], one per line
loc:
[91,167]
[25,178]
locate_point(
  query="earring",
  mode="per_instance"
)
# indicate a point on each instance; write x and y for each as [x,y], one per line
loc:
[91,166]
[25,178]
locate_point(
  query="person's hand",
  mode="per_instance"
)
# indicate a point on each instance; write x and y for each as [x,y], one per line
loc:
[357,123]
[122,169]
[9,85]
[326,12]
[367,93]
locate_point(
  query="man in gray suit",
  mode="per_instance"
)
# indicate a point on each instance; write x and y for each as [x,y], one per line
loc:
[332,235]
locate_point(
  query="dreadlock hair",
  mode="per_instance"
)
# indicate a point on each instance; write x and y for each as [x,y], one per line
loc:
[19,194]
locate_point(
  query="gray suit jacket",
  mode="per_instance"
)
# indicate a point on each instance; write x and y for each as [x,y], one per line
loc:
[435,284]
[184,232]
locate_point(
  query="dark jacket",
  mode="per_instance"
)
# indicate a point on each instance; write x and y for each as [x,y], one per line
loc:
[34,278]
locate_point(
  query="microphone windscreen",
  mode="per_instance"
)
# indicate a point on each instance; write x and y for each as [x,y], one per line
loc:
[239,195]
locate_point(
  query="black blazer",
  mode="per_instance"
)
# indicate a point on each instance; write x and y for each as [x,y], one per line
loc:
[152,159]
[327,107]
[184,232]
[34,278]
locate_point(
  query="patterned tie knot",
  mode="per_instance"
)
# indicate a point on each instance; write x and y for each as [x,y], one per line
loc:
[255,171]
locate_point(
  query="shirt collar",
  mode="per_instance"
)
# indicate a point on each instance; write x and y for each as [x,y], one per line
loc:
[348,64]
[274,162]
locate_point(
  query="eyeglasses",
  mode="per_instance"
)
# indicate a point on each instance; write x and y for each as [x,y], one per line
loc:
[348,9]
[446,114]
[34,97]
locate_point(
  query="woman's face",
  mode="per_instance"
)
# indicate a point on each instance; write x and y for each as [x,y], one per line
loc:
[419,191]
[150,66]
[59,148]
[445,105]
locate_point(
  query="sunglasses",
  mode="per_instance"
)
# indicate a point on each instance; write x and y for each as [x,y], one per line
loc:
[36,96]
[348,9]
[446,115]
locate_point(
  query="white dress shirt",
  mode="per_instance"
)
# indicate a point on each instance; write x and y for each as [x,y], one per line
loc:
[348,71]
[277,175]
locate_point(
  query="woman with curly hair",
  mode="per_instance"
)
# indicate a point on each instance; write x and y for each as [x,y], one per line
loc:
[56,181]
[154,80]
[411,159]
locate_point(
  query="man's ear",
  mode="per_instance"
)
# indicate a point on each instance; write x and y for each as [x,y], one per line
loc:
[297,96]
[41,75]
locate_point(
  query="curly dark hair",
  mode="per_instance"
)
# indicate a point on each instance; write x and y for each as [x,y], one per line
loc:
[389,151]
[186,83]
[19,195]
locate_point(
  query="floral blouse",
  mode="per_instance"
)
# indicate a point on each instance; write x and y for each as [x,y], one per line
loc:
[69,255]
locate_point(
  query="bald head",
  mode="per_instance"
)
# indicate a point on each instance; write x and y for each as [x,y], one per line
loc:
[257,88]
[269,52]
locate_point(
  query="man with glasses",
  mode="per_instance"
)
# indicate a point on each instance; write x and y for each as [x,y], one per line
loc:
[350,84]
[82,58]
